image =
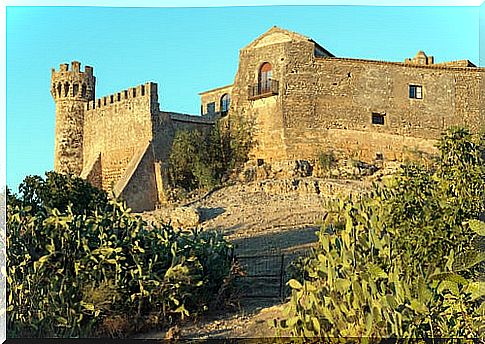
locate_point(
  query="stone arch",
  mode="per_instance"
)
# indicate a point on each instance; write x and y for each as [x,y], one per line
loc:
[225,102]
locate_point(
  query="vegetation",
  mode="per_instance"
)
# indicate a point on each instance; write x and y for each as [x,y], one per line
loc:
[101,270]
[201,160]
[404,260]
[326,161]
[196,160]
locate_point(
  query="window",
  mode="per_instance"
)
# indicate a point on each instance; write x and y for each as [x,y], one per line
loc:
[75,89]
[266,86]
[415,92]
[225,102]
[264,77]
[211,108]
[378,118]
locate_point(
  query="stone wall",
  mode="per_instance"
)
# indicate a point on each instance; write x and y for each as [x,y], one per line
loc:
[138,186]
[116,126]
[328,103]
[343,94]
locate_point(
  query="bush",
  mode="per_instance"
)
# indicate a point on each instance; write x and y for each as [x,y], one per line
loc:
[201,160]
[404,260]
[196,160]
[326,161]
[240,139]
[58,191]
[105,272]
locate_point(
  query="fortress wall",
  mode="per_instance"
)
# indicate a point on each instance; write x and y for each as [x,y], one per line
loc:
[332,95]
[469,100]
[116,125]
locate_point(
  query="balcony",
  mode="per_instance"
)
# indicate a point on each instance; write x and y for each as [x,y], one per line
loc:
[263,89]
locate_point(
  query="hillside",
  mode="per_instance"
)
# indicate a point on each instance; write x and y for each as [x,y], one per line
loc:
[277,216]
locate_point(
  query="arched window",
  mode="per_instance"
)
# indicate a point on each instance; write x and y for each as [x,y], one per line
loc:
[225,102]
[66,89]
[59,88]
[264,78]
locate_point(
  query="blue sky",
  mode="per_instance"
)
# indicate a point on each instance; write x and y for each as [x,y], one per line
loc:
[189,50]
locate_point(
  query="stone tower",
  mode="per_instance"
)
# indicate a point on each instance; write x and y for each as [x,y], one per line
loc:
[71,90]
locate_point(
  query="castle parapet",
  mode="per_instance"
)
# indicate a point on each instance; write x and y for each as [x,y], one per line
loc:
[72,83]
[146,90]
[75,67]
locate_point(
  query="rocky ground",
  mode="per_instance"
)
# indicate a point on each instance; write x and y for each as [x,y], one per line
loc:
[278,216]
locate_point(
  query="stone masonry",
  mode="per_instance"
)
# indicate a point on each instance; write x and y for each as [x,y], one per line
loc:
[301,98]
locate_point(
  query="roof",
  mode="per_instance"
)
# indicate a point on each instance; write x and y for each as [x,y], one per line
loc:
[279,35]
[444,65]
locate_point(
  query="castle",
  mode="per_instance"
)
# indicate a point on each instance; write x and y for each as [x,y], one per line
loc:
[303,101]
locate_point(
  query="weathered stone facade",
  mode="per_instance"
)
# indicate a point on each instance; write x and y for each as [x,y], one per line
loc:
[361,107]
[303,100]
[119,142]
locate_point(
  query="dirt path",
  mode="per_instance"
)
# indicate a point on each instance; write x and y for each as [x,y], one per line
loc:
[259,218]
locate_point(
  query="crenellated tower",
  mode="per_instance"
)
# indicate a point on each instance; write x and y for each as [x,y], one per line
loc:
[71,90]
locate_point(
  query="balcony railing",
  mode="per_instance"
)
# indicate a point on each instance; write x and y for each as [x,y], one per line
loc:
[263,89]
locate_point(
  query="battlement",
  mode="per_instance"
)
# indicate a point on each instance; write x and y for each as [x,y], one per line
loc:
[146,90]
[75,68]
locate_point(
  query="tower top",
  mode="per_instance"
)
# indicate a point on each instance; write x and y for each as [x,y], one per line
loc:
[421,58]
[72,83]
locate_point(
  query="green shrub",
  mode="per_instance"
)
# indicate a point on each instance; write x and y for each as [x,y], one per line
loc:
[200,160]
[105,272]
[404,260]
[196,160]
[326,161]
[240,139]
[58,191]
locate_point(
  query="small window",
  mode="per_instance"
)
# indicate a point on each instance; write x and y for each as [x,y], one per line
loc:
[211,108]
[415,92]
[378,118]
[225,102]
[75,89]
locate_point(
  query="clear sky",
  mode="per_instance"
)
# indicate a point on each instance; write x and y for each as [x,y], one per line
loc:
[189,50]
